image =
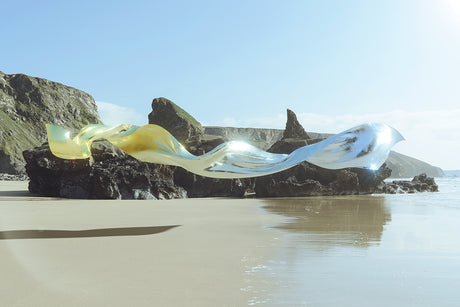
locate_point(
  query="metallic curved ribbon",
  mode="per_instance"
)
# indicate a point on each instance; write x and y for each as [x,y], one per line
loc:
[364,146]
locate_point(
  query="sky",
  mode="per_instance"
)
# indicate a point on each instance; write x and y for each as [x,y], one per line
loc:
[335,63]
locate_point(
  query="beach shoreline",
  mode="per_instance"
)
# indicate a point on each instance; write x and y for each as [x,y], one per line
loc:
[355,250]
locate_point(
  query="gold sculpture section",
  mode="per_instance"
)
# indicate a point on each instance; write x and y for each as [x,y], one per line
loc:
[148,143]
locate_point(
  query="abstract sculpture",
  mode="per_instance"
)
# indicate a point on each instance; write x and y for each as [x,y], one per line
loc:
[364,146]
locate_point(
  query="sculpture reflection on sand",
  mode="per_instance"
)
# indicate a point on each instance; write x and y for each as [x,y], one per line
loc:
[364,146]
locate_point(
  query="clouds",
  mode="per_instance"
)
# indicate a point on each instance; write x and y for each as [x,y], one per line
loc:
[112,114]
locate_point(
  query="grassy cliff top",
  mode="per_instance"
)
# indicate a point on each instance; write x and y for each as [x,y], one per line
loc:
[181,112]
[28,103]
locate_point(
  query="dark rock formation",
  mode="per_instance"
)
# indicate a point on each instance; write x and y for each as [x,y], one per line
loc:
[420,183]
[112,174]
[199,186]
[294,129]
[109,174]
[26,105]
[307,179]
[49,174]
[184,127]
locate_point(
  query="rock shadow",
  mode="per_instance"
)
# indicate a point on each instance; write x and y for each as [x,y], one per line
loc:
[89,233]
[16,193]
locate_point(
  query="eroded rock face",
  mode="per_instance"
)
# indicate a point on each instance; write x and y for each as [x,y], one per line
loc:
[51,176]
[27,104]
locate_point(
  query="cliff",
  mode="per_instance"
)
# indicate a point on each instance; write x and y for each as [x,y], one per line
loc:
[262,138]
[26,105]
[403,166]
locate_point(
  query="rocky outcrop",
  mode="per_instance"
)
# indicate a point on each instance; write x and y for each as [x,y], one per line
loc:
[110,174]
[306,179]
[184,127]
[26,105]
[420,183]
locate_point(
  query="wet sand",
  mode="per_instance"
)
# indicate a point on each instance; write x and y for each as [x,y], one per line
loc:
[382,250]
[194,252]
[376,250]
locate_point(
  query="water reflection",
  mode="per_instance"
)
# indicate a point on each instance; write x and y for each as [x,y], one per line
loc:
[330,221]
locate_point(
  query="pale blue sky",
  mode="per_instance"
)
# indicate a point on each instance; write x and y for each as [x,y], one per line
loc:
[245,62]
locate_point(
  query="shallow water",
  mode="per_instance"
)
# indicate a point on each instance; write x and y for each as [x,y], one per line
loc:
[376,250]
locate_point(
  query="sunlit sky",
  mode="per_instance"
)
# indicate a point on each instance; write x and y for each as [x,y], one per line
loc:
[242,63]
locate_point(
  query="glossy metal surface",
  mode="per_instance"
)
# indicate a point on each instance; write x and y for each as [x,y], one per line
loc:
[364,146]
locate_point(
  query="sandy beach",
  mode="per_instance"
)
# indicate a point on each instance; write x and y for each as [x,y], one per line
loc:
[194,252]
[369,250]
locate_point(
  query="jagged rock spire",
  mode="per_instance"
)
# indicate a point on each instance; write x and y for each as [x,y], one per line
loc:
[294,129]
